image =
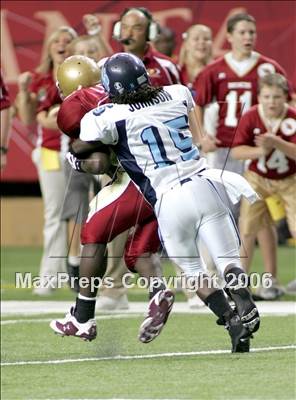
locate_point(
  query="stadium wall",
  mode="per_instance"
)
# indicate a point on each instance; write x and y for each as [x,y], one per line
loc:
[26,24]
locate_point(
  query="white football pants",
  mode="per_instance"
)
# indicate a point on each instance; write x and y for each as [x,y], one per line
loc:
[194,210]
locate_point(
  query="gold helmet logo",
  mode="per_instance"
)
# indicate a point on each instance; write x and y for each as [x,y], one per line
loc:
[76,72]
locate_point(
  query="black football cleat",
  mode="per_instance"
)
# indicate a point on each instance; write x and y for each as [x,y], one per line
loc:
[239,334]
[246,309]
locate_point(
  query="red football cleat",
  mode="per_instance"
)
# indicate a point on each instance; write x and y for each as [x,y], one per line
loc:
[159,310]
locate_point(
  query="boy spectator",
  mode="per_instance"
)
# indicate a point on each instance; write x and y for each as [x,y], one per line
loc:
[266,135]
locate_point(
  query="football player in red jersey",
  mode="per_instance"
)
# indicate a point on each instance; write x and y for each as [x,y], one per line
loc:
[116,208]
[266,135]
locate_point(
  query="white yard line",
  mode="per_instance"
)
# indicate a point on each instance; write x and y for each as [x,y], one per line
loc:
[52,307]
[144,356]
[40,320]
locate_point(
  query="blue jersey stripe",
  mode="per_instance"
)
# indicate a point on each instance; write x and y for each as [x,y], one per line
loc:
[130,165]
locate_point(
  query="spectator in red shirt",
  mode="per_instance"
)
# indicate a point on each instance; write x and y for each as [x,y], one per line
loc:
[232,80]
[266,135]
[195,52]
[135,30]
[195,55]
[49,155]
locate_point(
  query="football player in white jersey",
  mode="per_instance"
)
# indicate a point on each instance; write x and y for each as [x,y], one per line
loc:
[148,128]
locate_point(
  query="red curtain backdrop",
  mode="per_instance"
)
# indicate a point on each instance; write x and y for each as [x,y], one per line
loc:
[25,25]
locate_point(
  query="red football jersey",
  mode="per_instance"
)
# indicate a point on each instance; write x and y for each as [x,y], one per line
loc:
[76,105]
[275,165]
[235,92]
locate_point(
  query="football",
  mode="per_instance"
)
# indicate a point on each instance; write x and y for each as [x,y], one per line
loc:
[97,163]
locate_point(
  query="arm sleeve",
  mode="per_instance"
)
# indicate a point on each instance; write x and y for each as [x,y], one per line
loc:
[69,116]
[96,126]
[73,109]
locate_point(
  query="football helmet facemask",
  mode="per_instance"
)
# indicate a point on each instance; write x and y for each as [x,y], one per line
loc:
[76,72]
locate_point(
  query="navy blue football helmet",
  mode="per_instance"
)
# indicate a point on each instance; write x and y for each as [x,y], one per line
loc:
[123,73]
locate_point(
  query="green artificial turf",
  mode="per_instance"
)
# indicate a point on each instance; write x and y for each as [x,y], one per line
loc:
[260,375]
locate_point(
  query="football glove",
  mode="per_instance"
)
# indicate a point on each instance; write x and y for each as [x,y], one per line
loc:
[74,162]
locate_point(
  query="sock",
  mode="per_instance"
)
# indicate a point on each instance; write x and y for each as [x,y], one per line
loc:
[218,303]
[85,308]
[236,277]
[157,287]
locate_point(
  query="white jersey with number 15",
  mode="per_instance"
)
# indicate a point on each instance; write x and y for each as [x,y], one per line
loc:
[152,139]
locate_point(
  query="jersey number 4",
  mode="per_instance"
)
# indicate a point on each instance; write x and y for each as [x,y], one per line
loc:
[277,161]
[152,138]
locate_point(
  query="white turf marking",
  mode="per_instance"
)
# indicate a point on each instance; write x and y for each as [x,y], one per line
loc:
[98,318]
[40,320]
[11,307]
[145,356]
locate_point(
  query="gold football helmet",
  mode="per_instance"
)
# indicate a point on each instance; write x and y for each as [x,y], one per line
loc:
[76,72]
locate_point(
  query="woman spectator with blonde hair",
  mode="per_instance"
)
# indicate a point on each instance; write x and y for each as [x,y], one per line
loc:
[48,156]
[195,52]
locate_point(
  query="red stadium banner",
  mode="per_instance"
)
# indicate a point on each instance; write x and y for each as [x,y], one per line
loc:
[25,25]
